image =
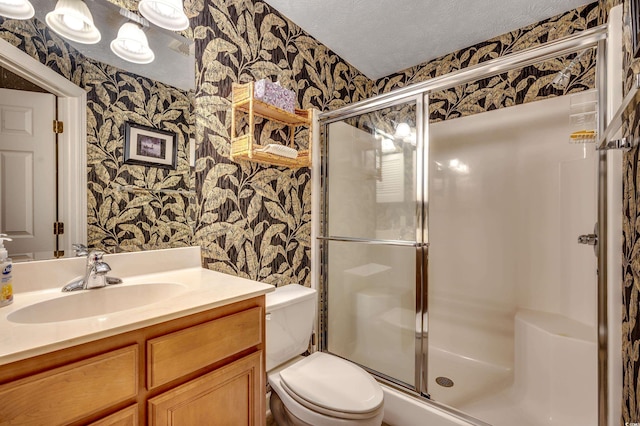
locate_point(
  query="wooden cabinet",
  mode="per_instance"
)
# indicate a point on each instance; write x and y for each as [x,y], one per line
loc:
[245,147]
[206,368]
[223,397]
[69,393]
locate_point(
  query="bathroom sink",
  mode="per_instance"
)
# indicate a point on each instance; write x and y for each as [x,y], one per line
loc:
[89,303]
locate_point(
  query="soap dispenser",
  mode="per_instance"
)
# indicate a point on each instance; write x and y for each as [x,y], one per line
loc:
[6,288]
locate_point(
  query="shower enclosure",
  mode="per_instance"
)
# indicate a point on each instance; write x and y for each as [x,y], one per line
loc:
[449,259]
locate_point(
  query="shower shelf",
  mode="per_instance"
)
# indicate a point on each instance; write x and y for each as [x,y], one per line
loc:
[246,147]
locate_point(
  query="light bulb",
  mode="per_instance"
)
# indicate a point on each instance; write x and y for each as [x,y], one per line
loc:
[164,10]
[132,45]
[72,22]
[16,9]
[167,14]
[402,130]
[11,2]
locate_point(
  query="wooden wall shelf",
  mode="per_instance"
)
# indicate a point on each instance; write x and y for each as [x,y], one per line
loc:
[245,147]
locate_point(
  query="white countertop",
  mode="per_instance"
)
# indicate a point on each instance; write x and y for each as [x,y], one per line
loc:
[203,289]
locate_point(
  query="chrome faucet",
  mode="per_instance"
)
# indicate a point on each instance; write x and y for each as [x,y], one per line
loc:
[95,275]
[80,249]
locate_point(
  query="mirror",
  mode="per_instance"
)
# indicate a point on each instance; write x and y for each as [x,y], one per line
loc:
[120,207]
[174,62]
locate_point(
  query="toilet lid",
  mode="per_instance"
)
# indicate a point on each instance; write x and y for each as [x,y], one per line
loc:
[332,383]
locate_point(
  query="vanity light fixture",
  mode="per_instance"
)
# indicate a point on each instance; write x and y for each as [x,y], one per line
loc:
[132,44]
[167,14]
[16,9]
[72,20]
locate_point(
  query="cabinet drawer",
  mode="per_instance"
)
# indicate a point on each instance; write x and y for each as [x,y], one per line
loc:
[69,393]
[177,354]
[126,417]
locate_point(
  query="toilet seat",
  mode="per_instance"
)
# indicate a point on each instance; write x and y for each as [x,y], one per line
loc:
[324,411]
[332,386]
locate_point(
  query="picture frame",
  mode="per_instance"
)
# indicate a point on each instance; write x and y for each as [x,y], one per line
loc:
[150,147]
[635,27]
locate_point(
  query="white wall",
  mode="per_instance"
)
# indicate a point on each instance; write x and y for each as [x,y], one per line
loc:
[509,196]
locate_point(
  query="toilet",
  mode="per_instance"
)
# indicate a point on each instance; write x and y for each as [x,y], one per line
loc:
[320,389]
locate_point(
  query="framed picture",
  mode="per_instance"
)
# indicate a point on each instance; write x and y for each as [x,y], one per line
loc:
[635,27]
[150,147]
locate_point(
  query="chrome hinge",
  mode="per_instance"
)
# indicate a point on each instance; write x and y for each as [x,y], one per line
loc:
[58,126]
[58,228]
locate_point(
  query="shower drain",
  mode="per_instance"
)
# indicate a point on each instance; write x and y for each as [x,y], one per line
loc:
[444,381]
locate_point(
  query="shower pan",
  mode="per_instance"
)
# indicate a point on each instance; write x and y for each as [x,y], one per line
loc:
[450,267]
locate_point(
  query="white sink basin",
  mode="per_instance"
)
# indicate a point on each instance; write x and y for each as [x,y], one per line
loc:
[89,303]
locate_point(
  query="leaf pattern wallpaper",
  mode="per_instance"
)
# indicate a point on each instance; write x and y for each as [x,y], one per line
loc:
[513,88]
[255,221]
[630,287]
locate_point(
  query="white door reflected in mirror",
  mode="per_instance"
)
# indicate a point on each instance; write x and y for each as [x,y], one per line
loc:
[27,172]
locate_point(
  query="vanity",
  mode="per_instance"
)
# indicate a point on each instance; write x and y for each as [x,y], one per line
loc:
[173,344]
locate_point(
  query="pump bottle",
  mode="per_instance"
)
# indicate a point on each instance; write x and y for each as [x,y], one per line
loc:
[6,286]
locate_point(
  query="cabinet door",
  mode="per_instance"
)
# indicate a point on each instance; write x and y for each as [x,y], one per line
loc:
[67,394]
[230,396]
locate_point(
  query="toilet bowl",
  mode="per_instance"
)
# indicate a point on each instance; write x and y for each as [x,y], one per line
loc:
[320,389]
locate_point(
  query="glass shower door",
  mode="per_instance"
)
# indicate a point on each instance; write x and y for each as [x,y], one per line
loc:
[373,246]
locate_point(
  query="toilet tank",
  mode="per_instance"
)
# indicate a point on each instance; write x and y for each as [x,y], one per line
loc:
[291,311]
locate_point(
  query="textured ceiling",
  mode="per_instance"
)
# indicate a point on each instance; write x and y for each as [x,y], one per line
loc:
[380,37]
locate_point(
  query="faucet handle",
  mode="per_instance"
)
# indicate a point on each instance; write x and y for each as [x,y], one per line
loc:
[95,256]
[102,267]
[80,249]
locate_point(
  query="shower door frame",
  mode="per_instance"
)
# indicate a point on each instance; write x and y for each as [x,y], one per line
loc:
[420,244]
[590,38]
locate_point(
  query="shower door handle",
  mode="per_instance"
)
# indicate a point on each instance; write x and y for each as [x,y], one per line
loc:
[589,239]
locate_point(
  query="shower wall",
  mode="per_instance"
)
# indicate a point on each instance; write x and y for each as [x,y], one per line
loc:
[509,196]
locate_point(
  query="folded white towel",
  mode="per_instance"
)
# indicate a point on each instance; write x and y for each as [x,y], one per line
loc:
[281,150]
